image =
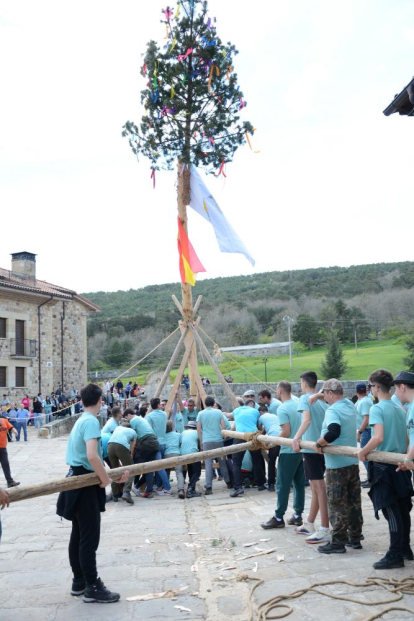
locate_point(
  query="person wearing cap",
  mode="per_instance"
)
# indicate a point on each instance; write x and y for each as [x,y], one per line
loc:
[391,488]
[310,429]
[363,406]
[190,444]
[343,487]
[246,420]
[250,395]
[404,389]
[290,468]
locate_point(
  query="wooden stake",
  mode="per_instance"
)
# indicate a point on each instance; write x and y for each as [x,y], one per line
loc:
[177,381]
[348,451]
[24,492]
[170,365]
[213,363]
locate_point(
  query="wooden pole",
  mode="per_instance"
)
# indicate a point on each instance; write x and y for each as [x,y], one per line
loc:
[171,363]
[348,451]
[61,485]
[177,381]
[217,371]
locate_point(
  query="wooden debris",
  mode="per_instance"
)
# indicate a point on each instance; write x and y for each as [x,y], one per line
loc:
[280,557]
[163,595]
[244,558]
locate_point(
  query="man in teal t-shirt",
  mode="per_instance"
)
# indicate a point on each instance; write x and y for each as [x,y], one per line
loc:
[210,423]
[342,473]
[157,418]
[189,413]
[272,404]
[290,467]
[113,422]
[190,444]
[121,447]
[270,424]
[246,420]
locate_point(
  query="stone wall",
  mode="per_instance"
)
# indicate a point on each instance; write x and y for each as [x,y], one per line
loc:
[74,345]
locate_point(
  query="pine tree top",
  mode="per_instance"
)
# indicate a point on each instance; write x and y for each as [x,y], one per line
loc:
[192,97]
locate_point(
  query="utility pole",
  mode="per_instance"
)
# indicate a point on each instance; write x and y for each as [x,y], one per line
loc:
[356,339]
[289,320]
[265,363]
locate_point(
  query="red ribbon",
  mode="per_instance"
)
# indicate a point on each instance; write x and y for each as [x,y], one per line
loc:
[221,171]
[184,56]
[153,178]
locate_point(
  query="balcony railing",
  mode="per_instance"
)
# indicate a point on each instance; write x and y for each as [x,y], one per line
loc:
[23,348]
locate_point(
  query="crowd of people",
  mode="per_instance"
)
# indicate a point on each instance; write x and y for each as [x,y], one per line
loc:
[150,432]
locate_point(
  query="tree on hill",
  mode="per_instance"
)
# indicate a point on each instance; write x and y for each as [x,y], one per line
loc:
[409,359]
[333,364]
[306,330]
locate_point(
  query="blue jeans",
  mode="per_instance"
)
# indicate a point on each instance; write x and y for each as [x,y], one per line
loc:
[161,474]
[49,418]
[365,438]
[19,426]
[37,419]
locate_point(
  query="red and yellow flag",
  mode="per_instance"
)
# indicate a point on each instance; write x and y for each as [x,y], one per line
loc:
[190,264]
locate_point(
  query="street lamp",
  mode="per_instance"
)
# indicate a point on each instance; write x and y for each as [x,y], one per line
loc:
[289,321]
[265,363]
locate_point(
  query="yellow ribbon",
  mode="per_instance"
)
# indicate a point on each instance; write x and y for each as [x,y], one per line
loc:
[177,13]
[250,144]
[173,46]
[172,91]
[211,75]
[224,53]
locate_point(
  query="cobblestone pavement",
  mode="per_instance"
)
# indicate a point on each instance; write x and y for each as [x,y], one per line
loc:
[167,543]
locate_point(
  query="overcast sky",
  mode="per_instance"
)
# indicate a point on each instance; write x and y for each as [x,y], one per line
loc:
[332,184]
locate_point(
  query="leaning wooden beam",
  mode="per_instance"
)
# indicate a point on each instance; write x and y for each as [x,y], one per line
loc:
[220,377]
[170,365]
[176,386]
[348,451]
[61,485]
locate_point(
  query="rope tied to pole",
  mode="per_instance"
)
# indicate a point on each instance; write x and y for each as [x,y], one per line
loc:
[253,437]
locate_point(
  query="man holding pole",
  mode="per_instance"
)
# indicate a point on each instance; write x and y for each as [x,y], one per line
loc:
[343,486]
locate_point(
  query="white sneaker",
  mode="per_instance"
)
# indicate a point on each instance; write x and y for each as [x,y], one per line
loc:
[319,536]
[136,491]
[164,492]
[306,529]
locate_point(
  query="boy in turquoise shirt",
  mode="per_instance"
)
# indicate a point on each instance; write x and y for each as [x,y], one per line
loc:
[83,506]
[190,444]
[210,423]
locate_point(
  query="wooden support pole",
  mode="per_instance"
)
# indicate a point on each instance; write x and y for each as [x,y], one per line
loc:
[178,304]
[217,371]
[61,485]
[177,381]
[348,451]
[171,363]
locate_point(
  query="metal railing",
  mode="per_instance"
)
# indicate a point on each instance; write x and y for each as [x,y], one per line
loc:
[26,348]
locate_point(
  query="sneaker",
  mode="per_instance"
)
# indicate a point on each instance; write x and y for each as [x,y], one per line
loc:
[237,492]
[408,555]
[181,494]
[306,529]
[78,587]
[208,491]
[328,548]
[295,520]
[98,592]
[319,536]
[261,488]
[191,493]
[115,498]
[127,497]
[355,545]
[13,484]
[366,484]
[389,562]
[147,495]
[136,491]
[164,492]
[273,523]
[270,488]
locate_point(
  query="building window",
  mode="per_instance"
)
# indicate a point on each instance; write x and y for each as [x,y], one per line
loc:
[2,327]
[3,377]
[20,377]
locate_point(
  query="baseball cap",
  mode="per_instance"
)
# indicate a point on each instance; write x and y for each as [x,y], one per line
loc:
[191,424]
[361,387]
[249,393]
[332,384]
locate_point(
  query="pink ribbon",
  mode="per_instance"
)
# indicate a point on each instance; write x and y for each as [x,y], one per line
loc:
[168,14]
[184,56]
[153,178]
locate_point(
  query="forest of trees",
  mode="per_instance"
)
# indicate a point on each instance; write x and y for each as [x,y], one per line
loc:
[364,301]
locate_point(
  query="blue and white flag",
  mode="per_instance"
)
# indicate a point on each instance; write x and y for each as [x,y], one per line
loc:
[204,204]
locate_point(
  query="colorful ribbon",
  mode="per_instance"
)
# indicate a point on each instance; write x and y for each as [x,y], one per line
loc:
[177,13]
[153,178]
[154,96]
[211,75]
[168,14]
[144,69]
[172,91]
[173,45]
[221,171]
[250,144]
[167,33]
[229,71]
[184,56]
[208,43]
[242,103]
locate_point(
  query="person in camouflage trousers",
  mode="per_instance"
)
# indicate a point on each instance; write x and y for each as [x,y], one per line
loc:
[343,486]
[344,505]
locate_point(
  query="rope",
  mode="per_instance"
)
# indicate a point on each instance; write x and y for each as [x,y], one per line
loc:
[217,348]
[146,356]
[398,588]
[253,438]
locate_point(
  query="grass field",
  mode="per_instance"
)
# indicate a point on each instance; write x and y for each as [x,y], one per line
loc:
[371,355]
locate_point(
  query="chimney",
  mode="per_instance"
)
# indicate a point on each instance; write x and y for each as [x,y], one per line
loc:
[24,265]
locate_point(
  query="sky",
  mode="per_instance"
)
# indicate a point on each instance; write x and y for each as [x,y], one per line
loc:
[330,186]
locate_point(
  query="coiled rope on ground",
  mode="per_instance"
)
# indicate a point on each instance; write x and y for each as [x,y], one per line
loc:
[399,588]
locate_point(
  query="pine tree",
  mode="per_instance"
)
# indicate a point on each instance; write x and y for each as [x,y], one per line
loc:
[333,364]
[409,359]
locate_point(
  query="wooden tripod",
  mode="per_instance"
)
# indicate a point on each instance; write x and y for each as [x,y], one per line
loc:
[190,336]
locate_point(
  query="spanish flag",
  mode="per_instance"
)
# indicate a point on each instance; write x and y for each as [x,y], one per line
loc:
[190,264]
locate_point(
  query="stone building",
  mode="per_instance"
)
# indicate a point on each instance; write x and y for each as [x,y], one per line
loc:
[43,341]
